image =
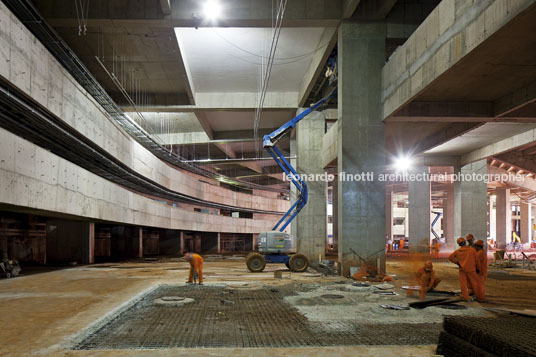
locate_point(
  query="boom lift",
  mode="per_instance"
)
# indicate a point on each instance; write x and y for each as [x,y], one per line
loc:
[277,246]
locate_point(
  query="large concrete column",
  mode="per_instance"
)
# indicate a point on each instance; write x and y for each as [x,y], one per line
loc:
[470,201]
[219,242]
[361,144]
[526,226]
[311,222]
[335,211]
[293,197]
[140,242]
[419,211]
[182,242]
[91,243]
[389,215]
[448,218]
[503,219]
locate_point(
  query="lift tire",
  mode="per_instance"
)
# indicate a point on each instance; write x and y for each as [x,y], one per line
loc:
[255,262]
[298,263]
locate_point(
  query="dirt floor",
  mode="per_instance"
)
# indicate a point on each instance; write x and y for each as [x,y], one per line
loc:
[40,314]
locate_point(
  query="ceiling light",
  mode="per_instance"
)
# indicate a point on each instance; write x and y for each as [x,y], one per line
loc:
[403,163]
[211,10]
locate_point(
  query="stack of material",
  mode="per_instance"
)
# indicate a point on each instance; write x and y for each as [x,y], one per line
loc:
[481,336]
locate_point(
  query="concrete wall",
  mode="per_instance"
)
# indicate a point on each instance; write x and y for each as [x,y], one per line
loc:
[329,145]
[452,30]
[26,63]
[33,177]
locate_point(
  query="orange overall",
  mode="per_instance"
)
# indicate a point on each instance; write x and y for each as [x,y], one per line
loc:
[401,246]
[482,256]
[427,280]
[466,259]
[196,267]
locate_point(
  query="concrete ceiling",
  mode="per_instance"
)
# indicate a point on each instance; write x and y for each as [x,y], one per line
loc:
[244,120]
[233,59]
[153,46]
[479,137]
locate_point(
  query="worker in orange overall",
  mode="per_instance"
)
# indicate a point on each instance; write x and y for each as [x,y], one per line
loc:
[470,240]
[482,256]
[402,242]
[465,258]
[427,279]
[196,267]
[434,248]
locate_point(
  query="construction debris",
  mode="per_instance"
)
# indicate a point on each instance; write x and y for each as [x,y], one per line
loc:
[395,307]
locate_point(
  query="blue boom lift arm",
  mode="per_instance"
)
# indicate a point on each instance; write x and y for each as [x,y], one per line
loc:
[269,142]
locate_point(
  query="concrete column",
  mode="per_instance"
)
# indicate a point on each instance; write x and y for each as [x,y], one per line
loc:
[470,201]
[182,242]
[311,222]
[389,215]
[293,225]
[448,218]
[140,242]
[219,240]
[526,226]
[335,209]
[419,212]
[503,218]
[91,243]
[361,144]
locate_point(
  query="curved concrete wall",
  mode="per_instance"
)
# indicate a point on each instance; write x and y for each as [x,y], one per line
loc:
[26,63]
[32,177]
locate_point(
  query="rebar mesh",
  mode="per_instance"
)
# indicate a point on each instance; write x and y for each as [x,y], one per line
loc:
[501,336]
[222,317]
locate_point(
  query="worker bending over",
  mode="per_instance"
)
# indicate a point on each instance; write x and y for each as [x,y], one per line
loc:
[427,279]
[196,267]
[482,256]
[468,265]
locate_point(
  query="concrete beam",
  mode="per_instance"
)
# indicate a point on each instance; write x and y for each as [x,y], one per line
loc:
[433,160]
[451,31]
[444,112]
[527,183]
[349,7]
[444,135]
[165,5]
[374,9]
[201,116]
[245,135]
[328,40]
[228,101]
[500,147]
[516,158]
[515,100]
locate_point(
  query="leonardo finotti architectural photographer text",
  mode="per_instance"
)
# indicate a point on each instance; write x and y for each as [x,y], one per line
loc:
[437,177]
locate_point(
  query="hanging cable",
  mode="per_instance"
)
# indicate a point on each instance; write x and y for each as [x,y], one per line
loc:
[276,31]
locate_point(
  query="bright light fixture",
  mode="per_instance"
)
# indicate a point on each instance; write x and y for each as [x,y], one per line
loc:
[211,10]
[403,163]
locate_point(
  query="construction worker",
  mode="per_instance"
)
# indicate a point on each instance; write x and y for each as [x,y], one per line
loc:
[427,279]
[434,248]
[196,267]
[482,257]
[465,258]
[470,240]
